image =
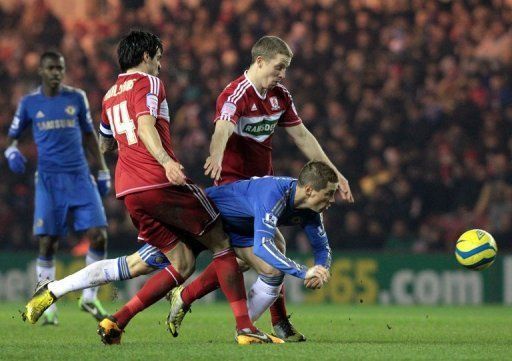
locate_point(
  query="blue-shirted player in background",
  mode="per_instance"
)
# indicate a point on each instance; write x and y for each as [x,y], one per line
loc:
[62,127]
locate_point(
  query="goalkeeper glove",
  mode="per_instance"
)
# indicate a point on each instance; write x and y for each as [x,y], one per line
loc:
[15,159]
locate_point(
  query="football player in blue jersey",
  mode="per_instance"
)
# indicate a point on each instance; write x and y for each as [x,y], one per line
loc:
[251,211]
[62,129]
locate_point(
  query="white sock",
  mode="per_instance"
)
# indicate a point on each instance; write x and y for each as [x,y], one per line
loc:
[45,268]
[96,274]
[262,295]
[89,294]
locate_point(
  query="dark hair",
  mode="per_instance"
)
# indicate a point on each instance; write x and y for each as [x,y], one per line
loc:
[132,47]
[50,54]
[269,46]
[317,174]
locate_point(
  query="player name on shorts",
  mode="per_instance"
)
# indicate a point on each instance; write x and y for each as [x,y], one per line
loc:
[56,124]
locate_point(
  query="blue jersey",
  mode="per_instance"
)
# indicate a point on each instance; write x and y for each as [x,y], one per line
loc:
[255,208]
[57,123]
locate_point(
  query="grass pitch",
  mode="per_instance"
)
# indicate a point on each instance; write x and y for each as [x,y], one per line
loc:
[335,332]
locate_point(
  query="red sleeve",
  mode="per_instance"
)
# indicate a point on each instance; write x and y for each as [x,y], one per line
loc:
[290,118]
[148,93]
[229,107]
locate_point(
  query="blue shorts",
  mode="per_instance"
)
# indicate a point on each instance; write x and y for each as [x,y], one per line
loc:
[60,194]
[153,257]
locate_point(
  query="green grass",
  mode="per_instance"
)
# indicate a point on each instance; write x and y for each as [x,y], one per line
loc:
[335,332]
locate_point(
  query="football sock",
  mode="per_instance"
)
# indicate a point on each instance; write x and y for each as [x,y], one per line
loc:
[278,308]
[205,283]
[153,290]
[45,268]
[262,294]
[231,282]
[97,273]
[89,294]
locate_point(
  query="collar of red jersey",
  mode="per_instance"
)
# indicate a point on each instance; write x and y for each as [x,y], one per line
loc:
[133,72]
[264,96]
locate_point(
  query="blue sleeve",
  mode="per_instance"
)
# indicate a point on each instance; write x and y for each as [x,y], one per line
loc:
[266,213]
[20,120]
[314,228]
[84,115]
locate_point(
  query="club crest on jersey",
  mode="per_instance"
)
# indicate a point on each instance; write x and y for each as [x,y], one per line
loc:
[274,103]
[71,110]
[270,220]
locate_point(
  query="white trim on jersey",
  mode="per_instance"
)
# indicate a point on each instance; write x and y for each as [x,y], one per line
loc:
[154,84]
[238,92]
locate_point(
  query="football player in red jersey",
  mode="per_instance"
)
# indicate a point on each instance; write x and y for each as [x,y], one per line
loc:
[247,112]
[163,203]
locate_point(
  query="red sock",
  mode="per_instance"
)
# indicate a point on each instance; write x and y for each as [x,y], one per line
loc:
[153,290]
[278,308]
[231,282]
[205,283]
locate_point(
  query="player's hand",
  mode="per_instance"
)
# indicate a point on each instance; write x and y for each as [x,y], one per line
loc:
[318,271]
[344,188]
[103,181]
[15,159]
[174,173]
[313,283]
[213,167]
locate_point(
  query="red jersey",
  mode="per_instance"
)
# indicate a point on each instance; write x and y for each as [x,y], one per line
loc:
[249,149]
[133,95]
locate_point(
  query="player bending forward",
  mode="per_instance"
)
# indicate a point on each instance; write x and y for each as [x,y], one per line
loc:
[251,211]
[311,191]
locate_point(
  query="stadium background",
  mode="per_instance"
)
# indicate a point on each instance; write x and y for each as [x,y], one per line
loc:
[412,100]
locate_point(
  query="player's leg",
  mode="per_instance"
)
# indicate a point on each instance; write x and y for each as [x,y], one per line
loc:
[45,269]
[279,316]
[207,281]
[89,216]
[267,286]
[89,302]
[183,265]
[50,213]
[96,274]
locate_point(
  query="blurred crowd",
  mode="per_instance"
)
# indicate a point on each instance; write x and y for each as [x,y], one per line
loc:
[411,99]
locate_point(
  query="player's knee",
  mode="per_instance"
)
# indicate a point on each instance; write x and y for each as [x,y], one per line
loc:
[185,269]
[98,238]
[216,239]
[47,246]
[244,266]
[269,271]
[137,267]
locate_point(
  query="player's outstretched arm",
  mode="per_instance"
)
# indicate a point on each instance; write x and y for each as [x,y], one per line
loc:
[151,139]
[213,164]
[308,144]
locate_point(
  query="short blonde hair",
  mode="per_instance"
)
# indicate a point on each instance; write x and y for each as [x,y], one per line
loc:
[269,46]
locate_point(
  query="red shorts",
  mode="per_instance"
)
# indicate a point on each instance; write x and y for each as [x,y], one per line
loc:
[163,216]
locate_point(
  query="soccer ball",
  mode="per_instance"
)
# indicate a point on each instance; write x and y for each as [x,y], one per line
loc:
[476,249]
